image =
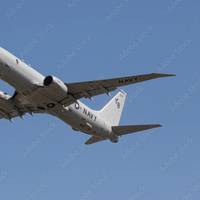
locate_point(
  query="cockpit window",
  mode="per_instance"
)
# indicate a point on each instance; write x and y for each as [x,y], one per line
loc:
[17,61]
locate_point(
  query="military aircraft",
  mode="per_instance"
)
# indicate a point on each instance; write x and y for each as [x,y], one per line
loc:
[35,93]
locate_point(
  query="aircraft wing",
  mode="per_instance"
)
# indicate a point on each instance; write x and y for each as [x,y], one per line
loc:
[17,112]
[94,88]
[9,113]
[10,109]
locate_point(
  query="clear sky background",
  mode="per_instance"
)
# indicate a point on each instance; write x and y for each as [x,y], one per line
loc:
[42,158]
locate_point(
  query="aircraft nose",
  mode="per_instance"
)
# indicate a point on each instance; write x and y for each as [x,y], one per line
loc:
[1,54]
[1,49]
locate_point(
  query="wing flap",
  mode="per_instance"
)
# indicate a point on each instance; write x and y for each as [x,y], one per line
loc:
[124,130]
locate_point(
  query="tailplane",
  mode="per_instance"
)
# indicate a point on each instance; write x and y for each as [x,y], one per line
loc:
[124,130]
[112,111]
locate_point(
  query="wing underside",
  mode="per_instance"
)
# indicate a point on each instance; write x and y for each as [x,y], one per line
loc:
[10,108]
[14,112]
[93,88]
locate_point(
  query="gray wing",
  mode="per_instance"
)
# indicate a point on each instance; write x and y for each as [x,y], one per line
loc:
[13,112]
[94,88]
[9,109]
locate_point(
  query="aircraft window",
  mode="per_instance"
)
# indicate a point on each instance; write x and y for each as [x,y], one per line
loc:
[17,61]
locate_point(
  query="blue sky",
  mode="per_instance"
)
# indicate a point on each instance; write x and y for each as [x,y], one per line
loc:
[76,40]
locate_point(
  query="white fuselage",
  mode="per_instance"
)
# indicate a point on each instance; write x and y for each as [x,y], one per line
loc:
[29,83]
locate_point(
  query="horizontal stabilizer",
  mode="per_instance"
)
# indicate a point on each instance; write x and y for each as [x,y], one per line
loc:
[94,139]
[123,130]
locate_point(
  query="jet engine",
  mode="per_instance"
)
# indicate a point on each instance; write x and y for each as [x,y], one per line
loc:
[5,105]
[55,88]
[4,96]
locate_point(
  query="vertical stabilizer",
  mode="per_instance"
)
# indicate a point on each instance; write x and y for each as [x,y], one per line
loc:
[112,111]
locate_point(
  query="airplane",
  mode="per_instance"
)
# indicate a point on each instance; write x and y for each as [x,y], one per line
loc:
[35,93]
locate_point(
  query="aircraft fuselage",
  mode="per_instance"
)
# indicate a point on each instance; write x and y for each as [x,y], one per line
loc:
[35,93]
[26,81]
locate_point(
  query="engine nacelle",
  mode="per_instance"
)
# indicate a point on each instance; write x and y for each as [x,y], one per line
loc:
[5,105]
[4,96]
[55,88]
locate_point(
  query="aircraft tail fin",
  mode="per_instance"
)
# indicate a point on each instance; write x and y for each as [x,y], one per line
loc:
[112,111]
[124,130]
